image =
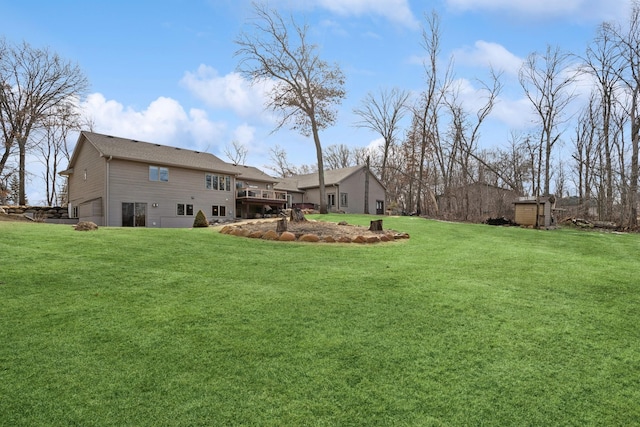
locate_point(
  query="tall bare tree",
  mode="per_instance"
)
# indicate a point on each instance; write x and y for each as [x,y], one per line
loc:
[427,109]
[382,114]
[629,42]
[52,150]
[547,83]
[306,88]
[603,62]
[35,84]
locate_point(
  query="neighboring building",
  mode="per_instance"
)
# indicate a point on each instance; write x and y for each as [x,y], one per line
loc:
[124,182]
[526,211]
[349,190]
[477,202]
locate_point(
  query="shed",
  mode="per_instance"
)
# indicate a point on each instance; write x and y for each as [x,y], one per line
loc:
[525,211]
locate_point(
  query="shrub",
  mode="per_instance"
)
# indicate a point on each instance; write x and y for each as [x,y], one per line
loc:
[201,220]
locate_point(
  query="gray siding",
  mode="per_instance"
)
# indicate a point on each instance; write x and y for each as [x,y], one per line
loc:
[129,183]
[90,189]
[354,186]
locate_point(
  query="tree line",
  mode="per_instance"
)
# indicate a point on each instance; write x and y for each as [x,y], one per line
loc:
[39,91]
[431,162]
[430,159]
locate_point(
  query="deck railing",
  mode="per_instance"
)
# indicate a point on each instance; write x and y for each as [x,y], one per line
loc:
[258,193]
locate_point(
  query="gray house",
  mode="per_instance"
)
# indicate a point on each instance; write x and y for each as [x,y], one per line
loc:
[123,182]
[349,190]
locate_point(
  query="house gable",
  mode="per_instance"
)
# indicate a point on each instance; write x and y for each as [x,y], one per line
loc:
[345,189]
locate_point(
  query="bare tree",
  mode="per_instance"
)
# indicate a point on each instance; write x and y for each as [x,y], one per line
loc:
[603,62]
[382,113]
[629,45]
[34,85]
[237,153]
[427,110]
[339,156]
[546,80]
[280,165]
[53,150]
[585,154]
[307,88]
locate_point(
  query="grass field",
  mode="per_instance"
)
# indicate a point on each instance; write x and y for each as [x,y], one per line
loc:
[460,325]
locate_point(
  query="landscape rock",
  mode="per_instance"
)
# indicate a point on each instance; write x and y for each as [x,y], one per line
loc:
[85,226]
[287,236]
[270,235]
[309,238]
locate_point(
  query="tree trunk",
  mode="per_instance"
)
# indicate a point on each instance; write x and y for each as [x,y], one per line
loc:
[297,215]
[321,187]
[281,225]
[22,194]
[375,225]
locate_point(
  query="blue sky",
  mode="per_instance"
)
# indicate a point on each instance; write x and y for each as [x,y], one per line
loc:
[165,71]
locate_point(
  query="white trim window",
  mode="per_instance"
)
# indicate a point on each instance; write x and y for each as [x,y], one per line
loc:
[344,199]
[217,182]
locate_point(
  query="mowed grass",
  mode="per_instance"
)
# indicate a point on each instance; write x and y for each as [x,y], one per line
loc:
[460,325]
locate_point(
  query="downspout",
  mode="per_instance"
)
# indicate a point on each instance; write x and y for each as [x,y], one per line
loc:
[107,195]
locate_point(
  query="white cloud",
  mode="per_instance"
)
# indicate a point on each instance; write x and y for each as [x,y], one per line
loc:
[231,91]
[376,144]
[397,11]
[164,121]
[244,134]
[598,10]
[487,54]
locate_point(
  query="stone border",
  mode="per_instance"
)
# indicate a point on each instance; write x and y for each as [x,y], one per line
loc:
[287,236]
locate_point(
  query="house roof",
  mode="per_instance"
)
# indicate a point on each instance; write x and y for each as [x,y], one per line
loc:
[251,173]
[331,177]
[130,149]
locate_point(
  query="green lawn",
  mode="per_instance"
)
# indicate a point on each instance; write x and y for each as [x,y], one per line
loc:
[459,325]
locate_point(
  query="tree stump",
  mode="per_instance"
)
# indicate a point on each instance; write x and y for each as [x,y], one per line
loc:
[281,225]
[375,225]
[297,215]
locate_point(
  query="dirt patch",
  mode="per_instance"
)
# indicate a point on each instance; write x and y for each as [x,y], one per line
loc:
[325,231]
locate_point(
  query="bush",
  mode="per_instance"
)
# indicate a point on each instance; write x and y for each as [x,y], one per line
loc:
[201,220]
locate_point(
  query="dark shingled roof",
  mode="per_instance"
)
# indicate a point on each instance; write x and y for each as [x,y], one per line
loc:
[131,149]
[251,173]
[333,176]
